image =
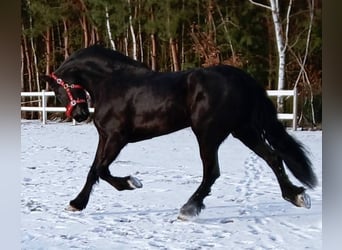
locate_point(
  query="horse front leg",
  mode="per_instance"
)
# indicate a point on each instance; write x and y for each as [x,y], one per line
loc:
[107,151]
[211,172]
[81,201]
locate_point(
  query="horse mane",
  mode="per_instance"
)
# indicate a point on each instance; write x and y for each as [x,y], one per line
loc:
[102,59]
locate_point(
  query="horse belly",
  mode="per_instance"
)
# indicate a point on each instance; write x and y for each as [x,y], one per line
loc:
[157,122]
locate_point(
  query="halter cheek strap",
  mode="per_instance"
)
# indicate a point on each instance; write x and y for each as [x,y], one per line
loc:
[72,101]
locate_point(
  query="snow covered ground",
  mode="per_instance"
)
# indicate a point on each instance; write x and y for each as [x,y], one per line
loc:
[245,210]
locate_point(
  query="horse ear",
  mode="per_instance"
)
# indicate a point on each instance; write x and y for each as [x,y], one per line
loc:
[47,79]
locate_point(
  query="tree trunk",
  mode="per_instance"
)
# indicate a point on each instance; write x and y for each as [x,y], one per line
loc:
[226,31]
[271,64]
[281,51]
[53,46]
[28,63]
[153,53]
[94,35]
[154,46]
[142,59]
[134,41]
[35,72]
[126,43]
[281,41]
[22,57]
[174,54]
[83,22]
[141,44]
[210,21]
[109,32]
[303,73]
[26,82]
[66,38]
[35,62]
[311,7]
[182,41]
[48,53]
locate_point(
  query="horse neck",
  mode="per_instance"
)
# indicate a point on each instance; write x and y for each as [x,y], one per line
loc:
[90,86]
[96,83]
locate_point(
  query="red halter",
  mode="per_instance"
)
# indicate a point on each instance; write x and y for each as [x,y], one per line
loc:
[67,88]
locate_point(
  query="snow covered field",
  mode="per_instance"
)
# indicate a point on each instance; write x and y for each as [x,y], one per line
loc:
[245,210]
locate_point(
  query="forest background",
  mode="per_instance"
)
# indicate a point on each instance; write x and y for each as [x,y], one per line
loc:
[278,42]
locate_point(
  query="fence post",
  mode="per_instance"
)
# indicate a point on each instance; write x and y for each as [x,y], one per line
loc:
[294,121]
[43,106]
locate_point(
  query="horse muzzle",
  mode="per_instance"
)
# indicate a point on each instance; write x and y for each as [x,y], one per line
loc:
[80,114]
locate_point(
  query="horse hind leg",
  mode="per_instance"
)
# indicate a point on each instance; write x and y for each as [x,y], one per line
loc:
[295,195]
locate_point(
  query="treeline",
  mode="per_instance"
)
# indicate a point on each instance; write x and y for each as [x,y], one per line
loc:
[174,35]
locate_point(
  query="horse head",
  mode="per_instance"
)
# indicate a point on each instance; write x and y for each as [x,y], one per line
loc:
[71,95]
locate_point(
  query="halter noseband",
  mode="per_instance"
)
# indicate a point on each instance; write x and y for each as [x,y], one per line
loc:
[67,88]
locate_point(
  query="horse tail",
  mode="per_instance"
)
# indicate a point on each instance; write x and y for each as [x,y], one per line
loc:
[288,148]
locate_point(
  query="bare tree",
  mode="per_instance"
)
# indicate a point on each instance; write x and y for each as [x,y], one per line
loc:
[131,28]
[65,38]
[34,54]
[224,22]
[282,41]
[48,52]
[109,30]
[153,44]
[84,23]
[302,61]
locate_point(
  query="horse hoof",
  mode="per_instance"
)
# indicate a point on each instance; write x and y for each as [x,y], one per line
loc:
[134,182]
[183,217]
[186,215]
[303,200]
[72,209]
[189,211]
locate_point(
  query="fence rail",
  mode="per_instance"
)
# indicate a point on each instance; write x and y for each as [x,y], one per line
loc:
[42,107]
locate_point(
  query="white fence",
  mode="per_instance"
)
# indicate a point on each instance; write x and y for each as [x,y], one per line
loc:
[42,107]
[287,116]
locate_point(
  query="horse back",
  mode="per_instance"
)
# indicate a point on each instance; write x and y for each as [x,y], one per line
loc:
[149,106]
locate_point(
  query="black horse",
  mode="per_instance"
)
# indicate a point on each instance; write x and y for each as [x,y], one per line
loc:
[133,103]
